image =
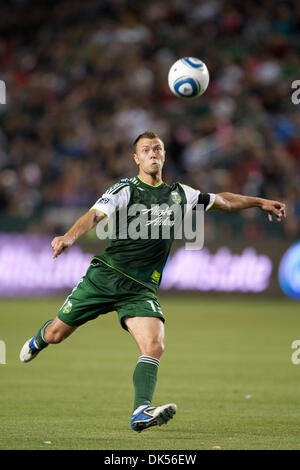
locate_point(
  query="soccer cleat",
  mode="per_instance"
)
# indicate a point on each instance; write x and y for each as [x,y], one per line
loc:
[29,351]
[146,416]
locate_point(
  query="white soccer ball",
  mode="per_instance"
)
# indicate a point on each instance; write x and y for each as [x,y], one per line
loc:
[188,78]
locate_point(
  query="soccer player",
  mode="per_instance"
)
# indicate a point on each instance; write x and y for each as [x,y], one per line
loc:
[127,275]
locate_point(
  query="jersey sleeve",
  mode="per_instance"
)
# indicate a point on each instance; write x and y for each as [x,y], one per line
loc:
[115,198]
[194,197]
[207,199]
[191,194]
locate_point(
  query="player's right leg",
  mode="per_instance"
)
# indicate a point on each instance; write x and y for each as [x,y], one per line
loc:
[52,332]
[86,301]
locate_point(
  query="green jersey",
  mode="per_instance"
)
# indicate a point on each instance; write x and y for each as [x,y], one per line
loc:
[145,222]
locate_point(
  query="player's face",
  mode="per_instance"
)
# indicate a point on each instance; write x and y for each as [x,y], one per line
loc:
[150,155]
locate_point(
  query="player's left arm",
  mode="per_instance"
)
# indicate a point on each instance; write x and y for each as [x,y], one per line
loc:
[235,202]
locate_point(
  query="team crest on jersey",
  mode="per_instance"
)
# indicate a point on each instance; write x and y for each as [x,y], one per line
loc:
[155,275]
[175,196]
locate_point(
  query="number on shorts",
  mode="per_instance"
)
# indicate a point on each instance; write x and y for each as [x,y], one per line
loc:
[152,305]
[158,309]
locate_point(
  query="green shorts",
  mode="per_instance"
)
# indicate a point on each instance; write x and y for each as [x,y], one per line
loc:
[104,290]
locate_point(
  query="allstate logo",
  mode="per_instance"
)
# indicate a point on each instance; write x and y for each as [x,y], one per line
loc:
[289,272]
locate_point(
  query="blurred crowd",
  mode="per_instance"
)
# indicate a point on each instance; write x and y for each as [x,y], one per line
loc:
[83,79]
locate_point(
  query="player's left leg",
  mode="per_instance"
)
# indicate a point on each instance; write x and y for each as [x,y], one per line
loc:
[148,332]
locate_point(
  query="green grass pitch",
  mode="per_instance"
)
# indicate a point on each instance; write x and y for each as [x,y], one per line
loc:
[227,365]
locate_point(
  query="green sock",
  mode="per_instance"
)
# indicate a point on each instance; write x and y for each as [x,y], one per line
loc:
[144,380]
[39,339]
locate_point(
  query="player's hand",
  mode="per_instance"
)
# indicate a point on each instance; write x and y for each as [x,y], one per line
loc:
[59,244]
[274,207]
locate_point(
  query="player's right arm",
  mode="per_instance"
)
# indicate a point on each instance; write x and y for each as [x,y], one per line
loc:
[116,197]
[83,225]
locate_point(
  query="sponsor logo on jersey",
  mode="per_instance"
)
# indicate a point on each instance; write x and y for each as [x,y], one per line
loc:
[158,222]
[159,216]
[103,200]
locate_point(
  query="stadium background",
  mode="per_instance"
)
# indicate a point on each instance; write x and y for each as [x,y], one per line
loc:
[83,79]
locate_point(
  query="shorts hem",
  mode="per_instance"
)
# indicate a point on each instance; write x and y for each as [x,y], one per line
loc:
[122,320]
[70,323]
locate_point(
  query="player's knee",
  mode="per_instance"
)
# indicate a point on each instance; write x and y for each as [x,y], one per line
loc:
[161,350]
[54,337]
[57,331]
[155,349]
[58,338]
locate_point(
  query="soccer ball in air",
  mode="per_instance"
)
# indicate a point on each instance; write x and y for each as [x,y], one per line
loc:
[188,78]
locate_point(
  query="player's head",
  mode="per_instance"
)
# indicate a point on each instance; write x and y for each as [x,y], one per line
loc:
[149,153]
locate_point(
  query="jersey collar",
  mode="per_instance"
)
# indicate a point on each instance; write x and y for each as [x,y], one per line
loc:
[151,185]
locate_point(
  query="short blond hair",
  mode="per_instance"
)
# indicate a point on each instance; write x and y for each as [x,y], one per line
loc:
[145,135]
